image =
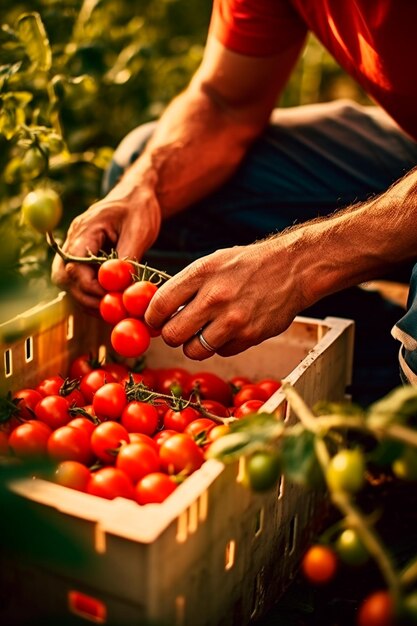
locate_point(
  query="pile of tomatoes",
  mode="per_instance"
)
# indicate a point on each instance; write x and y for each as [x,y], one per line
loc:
[124,305]
[113,432]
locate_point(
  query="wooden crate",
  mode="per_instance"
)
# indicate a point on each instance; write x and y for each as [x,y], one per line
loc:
[213,553]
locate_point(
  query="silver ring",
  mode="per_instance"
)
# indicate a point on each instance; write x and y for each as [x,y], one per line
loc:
[205,343]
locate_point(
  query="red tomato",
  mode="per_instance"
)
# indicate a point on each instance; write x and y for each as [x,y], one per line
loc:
[70,444]
[83,423]
[93,381]
[180,453]
[162,436]
[74,397]
[178,420]
[26,401]
[73,474]
[140,417]
[137,460]
[130,338]
[237,382]
[210,386]
[146,376]
[50,386]
[82,365]
[30,440]
[216,408]
[199,428]
[136,297]
[54,411]
[109,401]
[270,385]
[377,610]
[110,483]
[319,564]
[218,431]
[249,392]
[171,380]
[115,274]
[154,488]
[142,438]
[248,407]
[107,439]
[111,307]
[117,370]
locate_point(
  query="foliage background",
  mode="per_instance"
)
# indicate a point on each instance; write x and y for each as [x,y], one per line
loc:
[100,68]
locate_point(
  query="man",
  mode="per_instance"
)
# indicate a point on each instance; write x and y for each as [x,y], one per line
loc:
[221,168]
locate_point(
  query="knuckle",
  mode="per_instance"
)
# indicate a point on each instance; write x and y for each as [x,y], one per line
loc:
[171,336]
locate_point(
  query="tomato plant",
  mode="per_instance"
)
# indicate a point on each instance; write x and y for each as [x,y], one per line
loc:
[130,338]
[115,274]
[154,487]
[42,209]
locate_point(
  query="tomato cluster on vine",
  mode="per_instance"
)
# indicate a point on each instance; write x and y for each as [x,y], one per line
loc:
[112,432]
[124,305]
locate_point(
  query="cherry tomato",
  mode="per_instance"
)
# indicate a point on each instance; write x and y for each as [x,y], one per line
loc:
[27,399]
[180,453]
[70,444]
[130,338]
[218,431]
[42,209]
[346,471]
[405,467]
[319,564]
[154,488]
[178,420]
[82,365]
[377,610]
[211,387]
[107,439]
[216,408]
[137,296]
[140,417]
[110,483]
[142,438]
[54,411]
[172,380]
[262,470]
[199,428]
[115,274]
[92,381]
[146,376]
[111,307]
[162,436]
[109,401]
[248,407]
[237,382]
[83,423]
[350,548]
[249,392]
[137,460]
[50,386]
[119,371]
[270,385]
[30,440]
[72,474]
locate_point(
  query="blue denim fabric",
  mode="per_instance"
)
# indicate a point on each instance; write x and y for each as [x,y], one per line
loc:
[310,161]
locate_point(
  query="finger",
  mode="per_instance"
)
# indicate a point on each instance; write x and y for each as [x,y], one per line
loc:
[208,340]
[88,303]
[184,323]
[85,279]
[175,293]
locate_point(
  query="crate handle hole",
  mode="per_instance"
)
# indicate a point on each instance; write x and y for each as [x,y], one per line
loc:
[179,610]
[259,521]
[70,327]
[230,554]
[8,363]
[182,527]
[88,607]
[257,588]
[281,487]
[292,535]
[29,349]
[102,353]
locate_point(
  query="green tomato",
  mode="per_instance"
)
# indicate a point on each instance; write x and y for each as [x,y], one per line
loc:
[42,209]
[346,471]
[405,467]
[262,470]
[350,548]
[33,164]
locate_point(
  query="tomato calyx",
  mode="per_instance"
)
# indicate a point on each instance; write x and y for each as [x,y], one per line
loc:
[9,407]
[76,411]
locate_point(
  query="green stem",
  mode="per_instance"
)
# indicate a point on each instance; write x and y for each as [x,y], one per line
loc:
[409,574]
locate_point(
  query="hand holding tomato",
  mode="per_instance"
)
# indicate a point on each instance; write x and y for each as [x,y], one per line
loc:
[239,296]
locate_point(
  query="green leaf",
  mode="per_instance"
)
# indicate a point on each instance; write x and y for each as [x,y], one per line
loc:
[230,447]
[299,460]
[399,405]
[6,71]
[33,35]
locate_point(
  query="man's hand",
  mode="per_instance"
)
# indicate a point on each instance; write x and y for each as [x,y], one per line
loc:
[239,296]
[127,220]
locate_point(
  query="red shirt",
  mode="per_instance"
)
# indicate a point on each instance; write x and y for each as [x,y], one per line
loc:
[375,41]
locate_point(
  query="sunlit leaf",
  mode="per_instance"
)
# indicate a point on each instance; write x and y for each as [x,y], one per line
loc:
[33,34]
[299,460]
[398,406]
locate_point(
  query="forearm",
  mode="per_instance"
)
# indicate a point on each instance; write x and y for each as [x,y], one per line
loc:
[356,244]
